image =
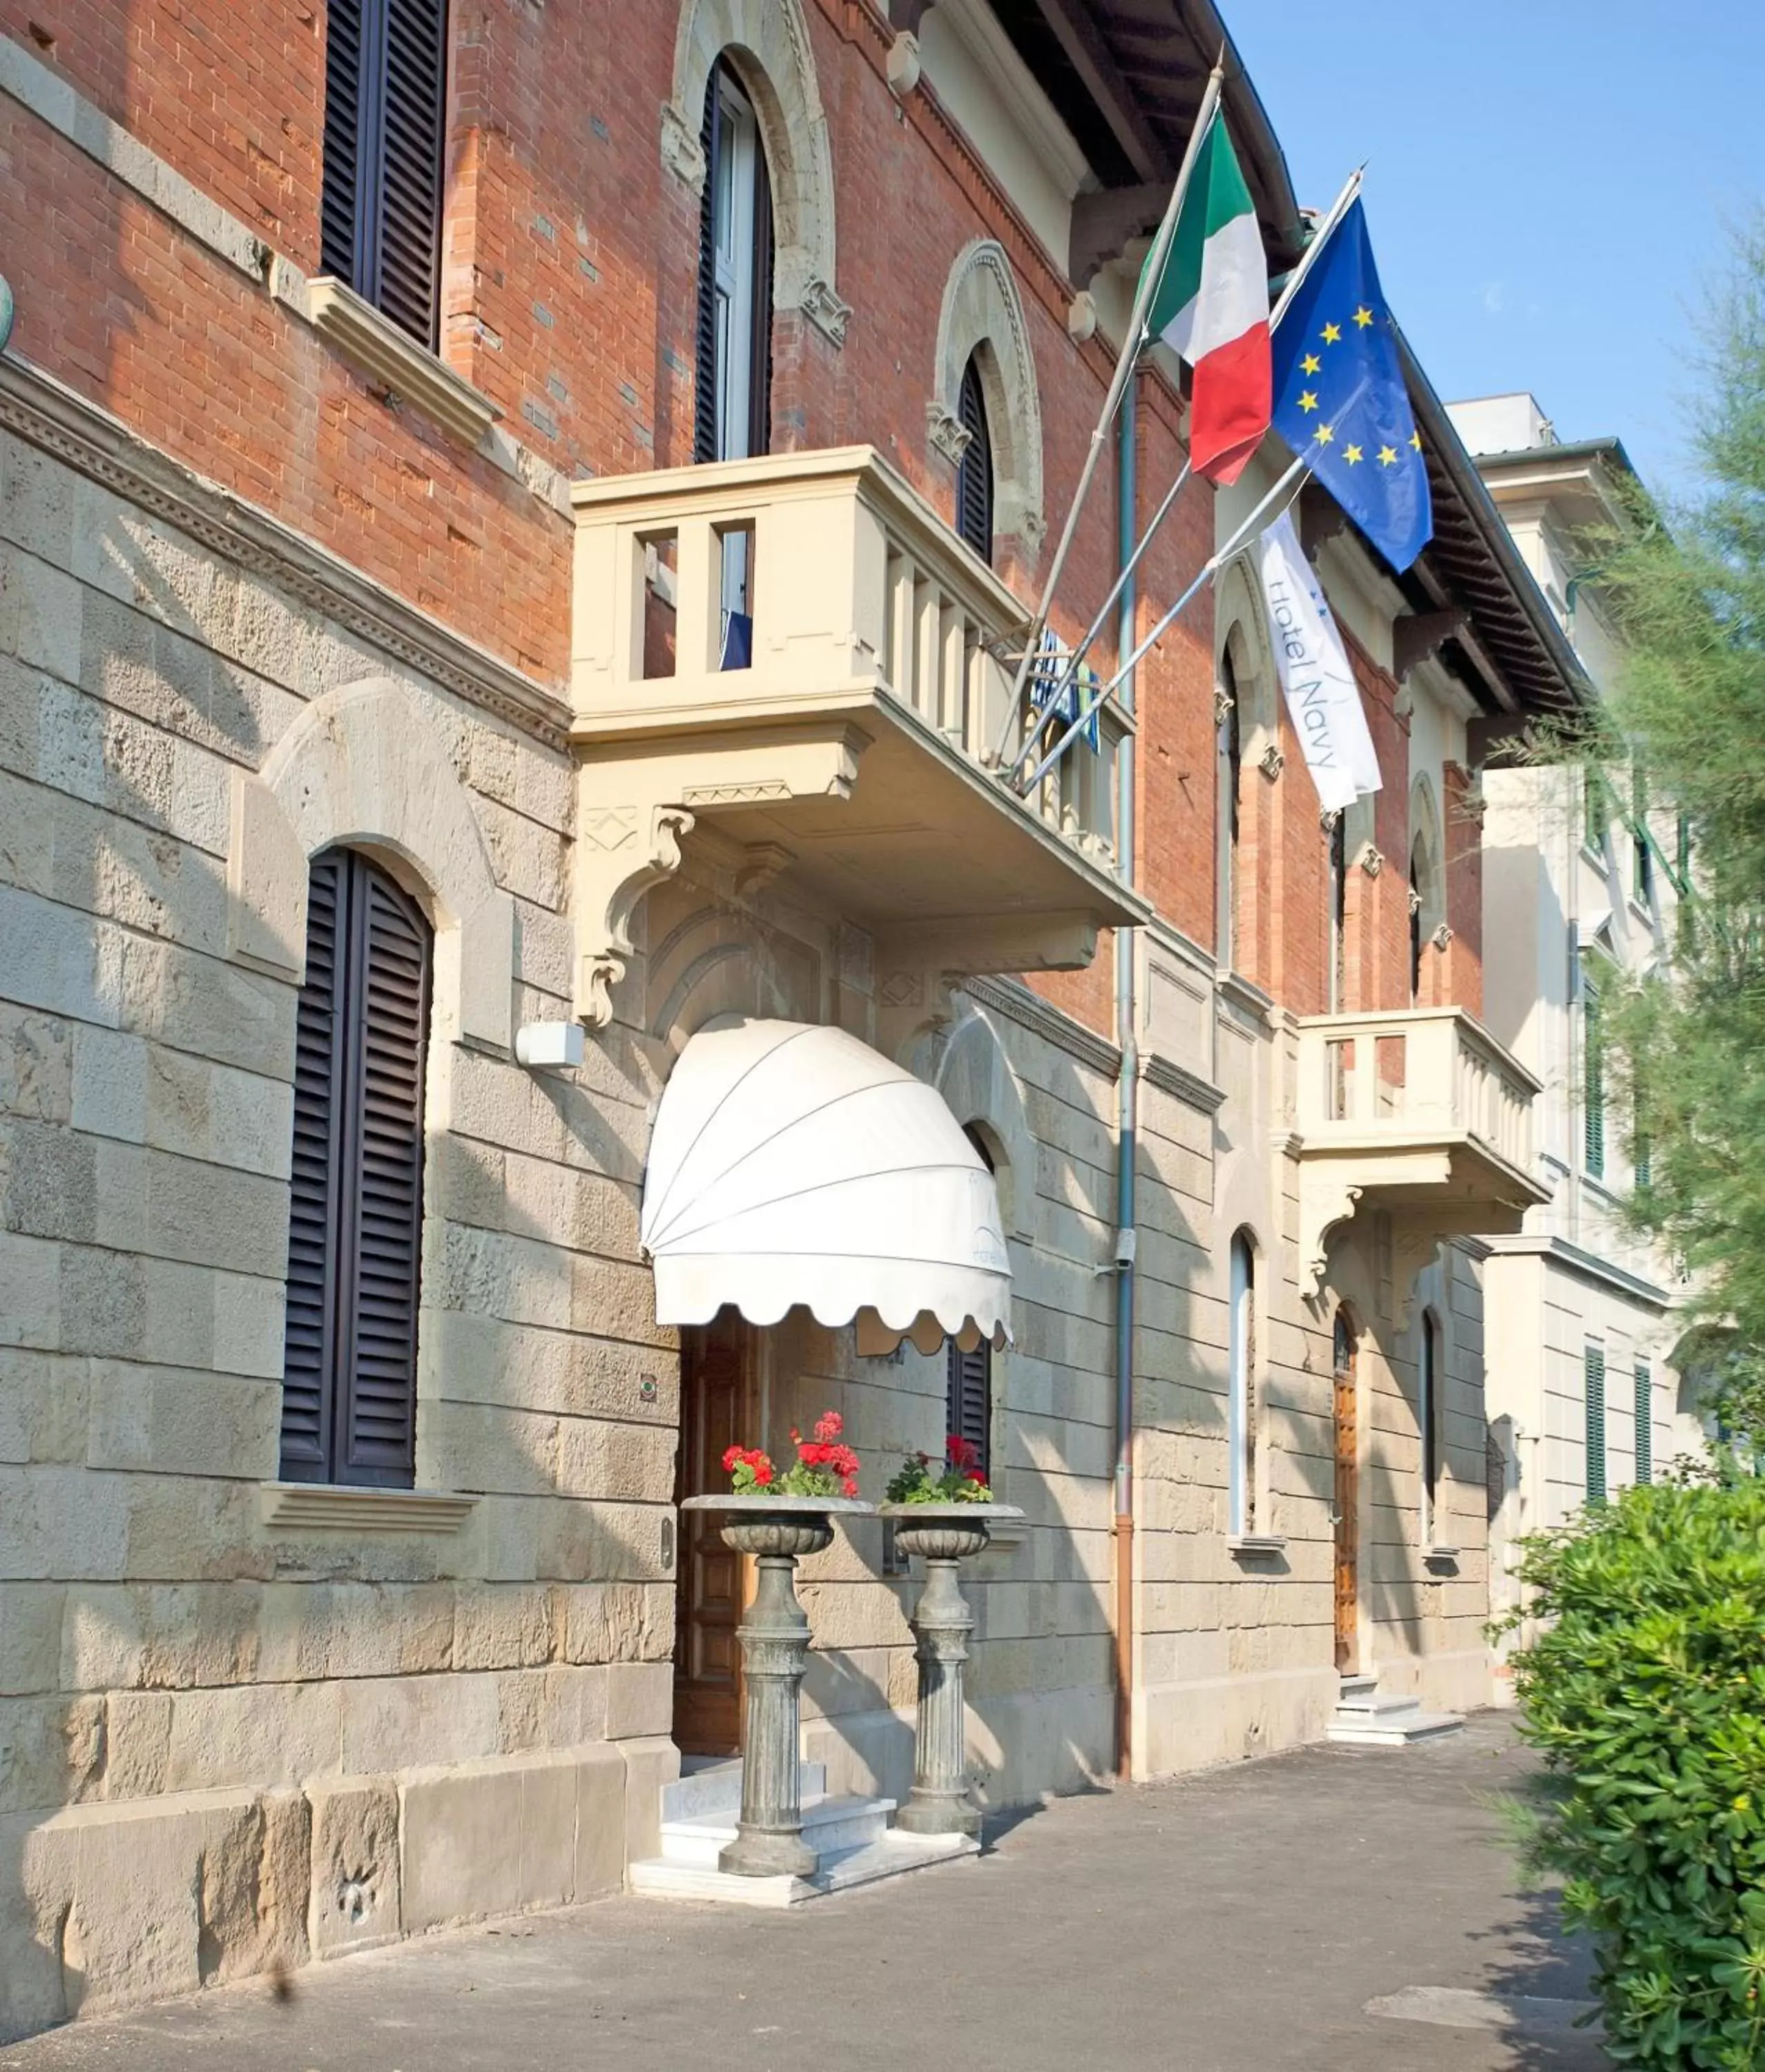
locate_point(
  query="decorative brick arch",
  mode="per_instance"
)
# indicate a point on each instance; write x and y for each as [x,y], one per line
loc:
[1242,632]
[365,765]
[983,319]
[767,43]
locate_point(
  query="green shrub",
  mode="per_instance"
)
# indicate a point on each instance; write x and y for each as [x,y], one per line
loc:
[1646,1693]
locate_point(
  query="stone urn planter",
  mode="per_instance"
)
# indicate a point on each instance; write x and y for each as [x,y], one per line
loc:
[942,1535]
[776,1531]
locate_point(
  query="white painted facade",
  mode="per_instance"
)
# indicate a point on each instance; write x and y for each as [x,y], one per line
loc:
[1571,897]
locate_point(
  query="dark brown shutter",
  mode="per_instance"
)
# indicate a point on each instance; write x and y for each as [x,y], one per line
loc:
[410,229]
[356,1209]
[385,118]
[383,1210]
[341,193]
[309,1357]
[968,1398]
[974,474]
[704,375]
[760,385]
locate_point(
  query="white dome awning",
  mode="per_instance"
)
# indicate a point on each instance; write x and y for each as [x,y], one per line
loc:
[794,1164]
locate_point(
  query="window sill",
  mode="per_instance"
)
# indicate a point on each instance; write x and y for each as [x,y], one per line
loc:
[377,347]
[1448,1556]
[337,1507]
[1253,1546]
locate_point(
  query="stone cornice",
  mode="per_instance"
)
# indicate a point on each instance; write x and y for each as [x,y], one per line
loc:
[37,407]
[1016,1002]
[1171,1077]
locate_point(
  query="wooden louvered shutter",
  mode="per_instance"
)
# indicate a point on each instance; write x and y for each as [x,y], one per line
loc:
[1593,1384]
[1593,1082]
[1645,1422]
[383,1213]
[704,369]
[385,115]
[759,380]
[410,270]
[341,196]
[309,1362]
[968,1398]
[975,473]
[355,1224]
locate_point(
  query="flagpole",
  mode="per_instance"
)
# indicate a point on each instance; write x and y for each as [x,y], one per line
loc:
[1069,664]
[1131,344]
[1251,526]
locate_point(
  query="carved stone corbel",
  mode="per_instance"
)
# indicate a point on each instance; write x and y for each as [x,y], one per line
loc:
[621,852]
[949,435]
[1371,861]
[1272,761]
[1442,935]
[826,311]
[682,152]
[1224,706]
[1415,901]
[636,804]
[918,969]
[1327,1200]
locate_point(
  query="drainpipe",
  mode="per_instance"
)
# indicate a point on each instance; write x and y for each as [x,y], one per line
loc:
[1127,1116]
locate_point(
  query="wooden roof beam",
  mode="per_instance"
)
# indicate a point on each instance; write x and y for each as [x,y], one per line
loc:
[1076,32]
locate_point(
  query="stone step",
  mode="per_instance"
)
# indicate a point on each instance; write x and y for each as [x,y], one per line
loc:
[893,1854]
[1376,1704]
[715,1786]
[832,1827]
[1398,1729]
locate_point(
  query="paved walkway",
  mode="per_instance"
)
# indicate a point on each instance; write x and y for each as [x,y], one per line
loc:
[1250,1920]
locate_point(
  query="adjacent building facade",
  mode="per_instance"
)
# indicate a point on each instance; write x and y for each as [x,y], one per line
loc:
[1581,887]
[523,521]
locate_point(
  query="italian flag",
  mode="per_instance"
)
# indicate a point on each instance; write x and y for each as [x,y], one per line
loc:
[1212,306]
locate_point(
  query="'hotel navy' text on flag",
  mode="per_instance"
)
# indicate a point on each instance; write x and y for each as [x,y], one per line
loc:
[1322,696]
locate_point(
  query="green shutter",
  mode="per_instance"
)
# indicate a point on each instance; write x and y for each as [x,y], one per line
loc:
[1642,857]
[1594,1383]
[1593,1081]
[1645,1423]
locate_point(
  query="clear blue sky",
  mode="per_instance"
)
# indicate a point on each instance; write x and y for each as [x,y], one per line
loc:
[1547,182]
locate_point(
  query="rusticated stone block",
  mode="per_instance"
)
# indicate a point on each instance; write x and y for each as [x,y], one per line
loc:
[354,1899]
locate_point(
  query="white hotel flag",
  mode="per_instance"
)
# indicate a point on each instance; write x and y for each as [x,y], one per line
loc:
[1321,693]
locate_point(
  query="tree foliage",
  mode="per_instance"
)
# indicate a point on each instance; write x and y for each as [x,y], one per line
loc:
[1645,1691]
[1687,592]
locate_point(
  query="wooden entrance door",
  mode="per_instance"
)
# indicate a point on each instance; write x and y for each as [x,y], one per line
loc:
[716,1411]
[1347,1512]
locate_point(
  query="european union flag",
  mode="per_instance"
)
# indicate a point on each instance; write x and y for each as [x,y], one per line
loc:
[1340,398]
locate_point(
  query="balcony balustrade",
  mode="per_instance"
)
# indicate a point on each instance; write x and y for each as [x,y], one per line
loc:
[797,654]
[1420,1114]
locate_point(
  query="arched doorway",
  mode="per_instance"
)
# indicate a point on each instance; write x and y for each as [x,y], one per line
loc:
[1345,1514]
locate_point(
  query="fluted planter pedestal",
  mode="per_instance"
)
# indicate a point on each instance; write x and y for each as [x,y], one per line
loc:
[775,1637]
[942,1535]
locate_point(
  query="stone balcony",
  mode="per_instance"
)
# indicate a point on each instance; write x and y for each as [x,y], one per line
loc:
[1420,1114]
[795,661]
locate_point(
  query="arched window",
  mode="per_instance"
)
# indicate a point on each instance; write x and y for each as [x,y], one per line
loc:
[1418,873]
[975,470]
[1430,1416]
[732,383]
[968,1377]
[1241,1400]
[1230,749]
[355,1214]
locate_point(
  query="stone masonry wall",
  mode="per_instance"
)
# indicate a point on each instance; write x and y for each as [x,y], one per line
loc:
[193,1683]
